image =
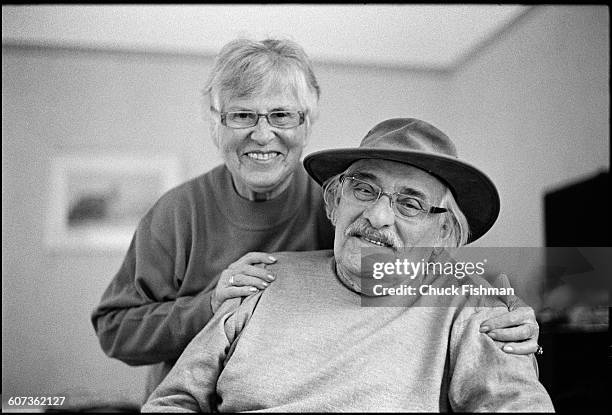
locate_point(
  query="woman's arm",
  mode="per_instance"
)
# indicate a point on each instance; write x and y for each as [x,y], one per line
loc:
[517,329]
[142,318]
[161,297]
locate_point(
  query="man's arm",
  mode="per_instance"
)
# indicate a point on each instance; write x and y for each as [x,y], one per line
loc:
[483,377]
[191,385]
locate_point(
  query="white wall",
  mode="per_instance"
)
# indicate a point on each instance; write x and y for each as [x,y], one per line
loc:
[531,110]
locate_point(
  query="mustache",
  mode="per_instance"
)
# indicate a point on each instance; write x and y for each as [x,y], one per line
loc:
[361,227]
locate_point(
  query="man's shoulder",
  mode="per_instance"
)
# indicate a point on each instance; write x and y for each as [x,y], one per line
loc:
[483,294]
[467,294]
[303,263]
[479,299]
[297,273]
[303,258]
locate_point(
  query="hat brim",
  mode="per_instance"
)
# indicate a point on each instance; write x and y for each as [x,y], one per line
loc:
[473,191]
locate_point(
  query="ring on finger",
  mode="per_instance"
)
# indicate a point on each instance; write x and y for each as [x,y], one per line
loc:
[540,351]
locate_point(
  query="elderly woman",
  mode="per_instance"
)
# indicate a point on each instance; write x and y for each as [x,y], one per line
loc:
[205,241]
[307,343]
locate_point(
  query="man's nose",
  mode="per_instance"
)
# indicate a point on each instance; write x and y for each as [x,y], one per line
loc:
[263,133]
[380,214]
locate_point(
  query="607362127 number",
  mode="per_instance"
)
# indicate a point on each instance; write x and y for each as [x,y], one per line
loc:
[36,400]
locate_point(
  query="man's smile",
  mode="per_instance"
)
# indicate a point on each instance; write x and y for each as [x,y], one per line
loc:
[380,241]
[375,242]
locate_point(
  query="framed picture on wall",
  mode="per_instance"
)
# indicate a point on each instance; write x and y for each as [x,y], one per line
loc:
[96,201]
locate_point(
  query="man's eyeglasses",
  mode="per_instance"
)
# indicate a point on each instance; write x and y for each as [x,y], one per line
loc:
[248,119]
[366,193]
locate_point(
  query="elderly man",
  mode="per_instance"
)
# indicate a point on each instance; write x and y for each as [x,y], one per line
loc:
[307,344]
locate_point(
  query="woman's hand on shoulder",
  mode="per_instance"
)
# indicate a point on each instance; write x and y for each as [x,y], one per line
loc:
[242,278]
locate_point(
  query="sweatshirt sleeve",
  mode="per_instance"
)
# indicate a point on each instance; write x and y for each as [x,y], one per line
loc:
[483,377]
[142,317]
[191,385]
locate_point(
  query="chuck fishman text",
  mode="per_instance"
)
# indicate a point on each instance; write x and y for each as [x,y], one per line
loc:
[466,289]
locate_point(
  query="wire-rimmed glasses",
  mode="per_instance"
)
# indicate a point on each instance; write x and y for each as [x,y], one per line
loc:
[404,206]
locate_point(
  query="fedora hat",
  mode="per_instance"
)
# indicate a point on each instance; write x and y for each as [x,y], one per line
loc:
[420,144]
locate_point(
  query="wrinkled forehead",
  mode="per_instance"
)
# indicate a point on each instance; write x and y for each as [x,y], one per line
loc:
[291,84]
[398,177]
[264,101]
[249,91]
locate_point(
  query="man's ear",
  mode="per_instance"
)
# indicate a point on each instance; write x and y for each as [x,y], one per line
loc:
[445,229]
[333,218]
[444,233]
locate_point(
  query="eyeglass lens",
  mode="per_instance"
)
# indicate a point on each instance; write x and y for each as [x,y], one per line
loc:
[282,119]
[404,205]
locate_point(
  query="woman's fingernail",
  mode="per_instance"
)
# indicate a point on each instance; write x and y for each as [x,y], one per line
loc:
[271,258]
[265,284]
[492,334]
[271,277]
[484,329]
[252,289]
[508,348]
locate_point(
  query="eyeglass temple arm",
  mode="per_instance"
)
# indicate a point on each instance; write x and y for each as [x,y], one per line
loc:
[435,209]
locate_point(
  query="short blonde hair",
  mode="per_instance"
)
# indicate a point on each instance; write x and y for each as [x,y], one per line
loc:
[245,68]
